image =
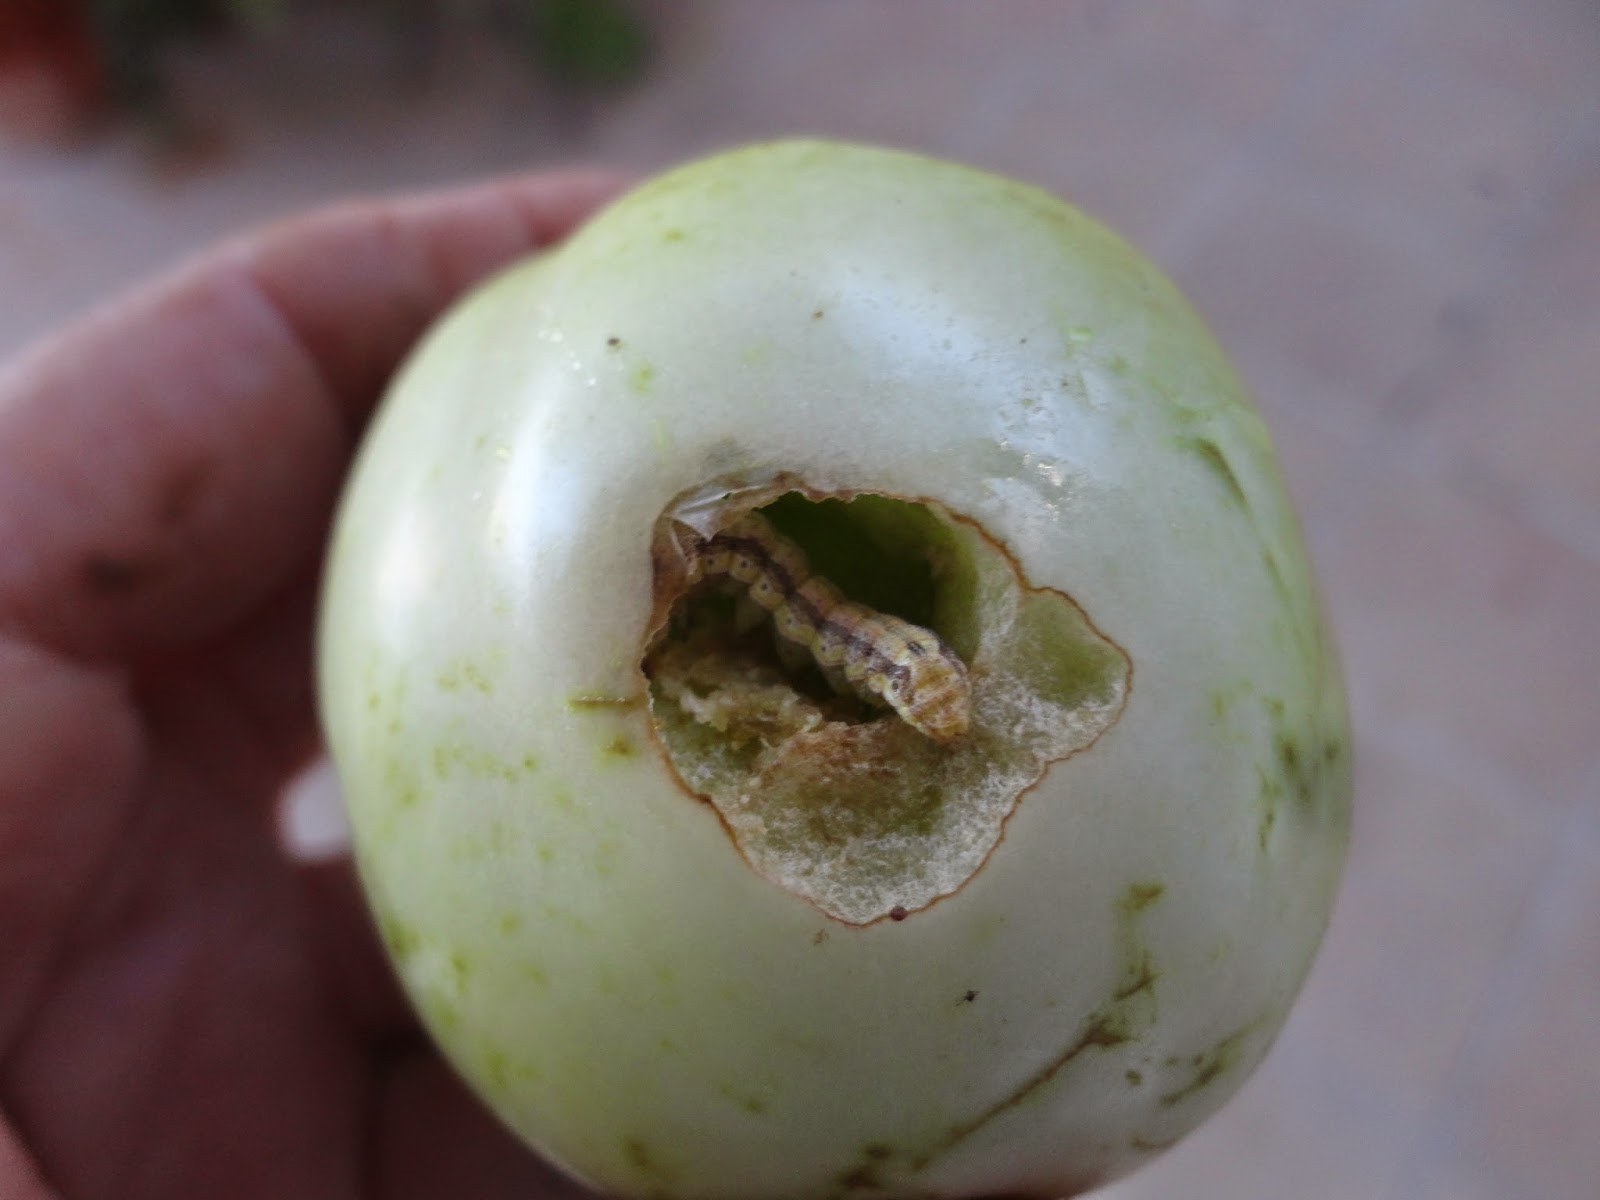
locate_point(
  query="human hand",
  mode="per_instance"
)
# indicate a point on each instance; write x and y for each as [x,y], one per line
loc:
[184,1010]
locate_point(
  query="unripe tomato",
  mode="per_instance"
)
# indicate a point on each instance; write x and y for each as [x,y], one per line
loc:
[674,882]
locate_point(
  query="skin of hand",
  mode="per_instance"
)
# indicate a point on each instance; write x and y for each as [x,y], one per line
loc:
[184,1010]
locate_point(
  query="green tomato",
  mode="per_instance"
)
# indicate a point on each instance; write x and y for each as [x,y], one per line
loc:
[695,915]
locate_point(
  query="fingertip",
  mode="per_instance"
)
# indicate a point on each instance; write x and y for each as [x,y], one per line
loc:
[359,281]
[553,205]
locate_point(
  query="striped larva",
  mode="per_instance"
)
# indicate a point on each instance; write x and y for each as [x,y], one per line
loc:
[907,666]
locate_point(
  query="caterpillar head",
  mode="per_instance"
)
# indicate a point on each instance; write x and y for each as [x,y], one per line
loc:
[929,688]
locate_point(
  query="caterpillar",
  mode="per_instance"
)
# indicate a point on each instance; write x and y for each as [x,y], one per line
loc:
[907,666]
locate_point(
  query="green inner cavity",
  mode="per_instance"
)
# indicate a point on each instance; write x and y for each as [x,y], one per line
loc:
[832,795]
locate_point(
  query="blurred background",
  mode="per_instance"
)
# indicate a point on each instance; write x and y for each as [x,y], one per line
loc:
[1388,209]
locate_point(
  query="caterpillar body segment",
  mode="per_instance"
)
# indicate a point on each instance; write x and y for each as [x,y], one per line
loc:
[908,667]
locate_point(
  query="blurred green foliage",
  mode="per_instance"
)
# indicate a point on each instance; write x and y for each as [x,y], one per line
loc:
[596,42]
[582,43]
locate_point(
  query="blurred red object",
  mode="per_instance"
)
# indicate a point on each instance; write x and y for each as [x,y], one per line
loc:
[52,79]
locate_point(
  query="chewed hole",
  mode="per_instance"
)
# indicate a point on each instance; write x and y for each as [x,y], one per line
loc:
[863,686]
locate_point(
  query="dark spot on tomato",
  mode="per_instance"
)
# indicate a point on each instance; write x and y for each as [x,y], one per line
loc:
[1140,896]
[969,997]
[1213,456]
[600,701]
[1141,979]
[613,342]
[642,1158]
[860,1179]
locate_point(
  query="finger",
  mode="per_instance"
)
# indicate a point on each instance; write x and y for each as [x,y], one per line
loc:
[70,751]
[171,462]
[19,1178]
[434,1139]
[260,674]
[347,956]
[425,251]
